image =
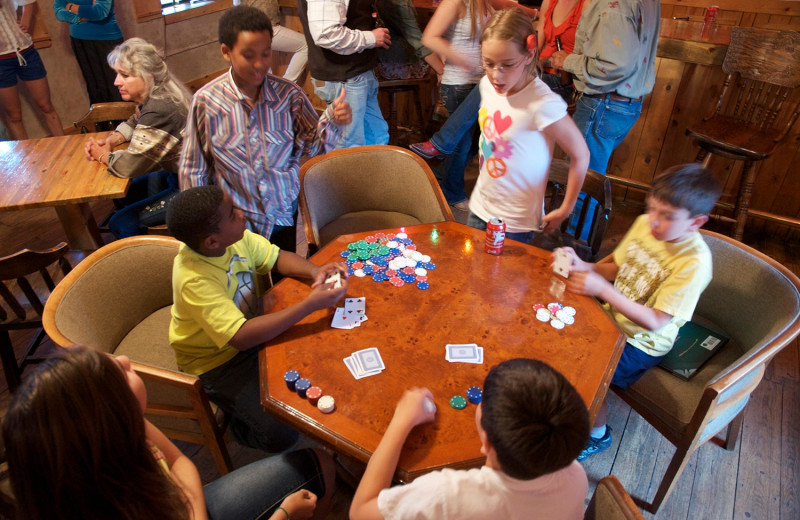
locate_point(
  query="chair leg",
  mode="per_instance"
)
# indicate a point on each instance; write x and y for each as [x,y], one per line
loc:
[703,157]
[734,428]
[393,117]
[10,368]
[743,199]
[674,470]
[418,105]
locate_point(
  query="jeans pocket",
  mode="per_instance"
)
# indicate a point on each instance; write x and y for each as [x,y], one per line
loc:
[615,120]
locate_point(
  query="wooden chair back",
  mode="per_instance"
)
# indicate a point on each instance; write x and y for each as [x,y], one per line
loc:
[118,301]
[367,188]
[104,112]
[610,501]
[763,68]
[596,187]
[23,309]
[756,302]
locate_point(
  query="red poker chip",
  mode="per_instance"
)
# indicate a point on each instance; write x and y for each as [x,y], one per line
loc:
[380,235]
[408,270]
[422,278]
[383,241]
[391,273]
[377,267]
[397,281]
[370,239]
[357,265]
[411,247]
[538,306]
[390,236]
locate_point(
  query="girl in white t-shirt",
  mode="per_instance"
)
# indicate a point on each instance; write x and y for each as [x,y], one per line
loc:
[521,120]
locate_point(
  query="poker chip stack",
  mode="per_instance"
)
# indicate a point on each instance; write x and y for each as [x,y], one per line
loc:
[303,388]
[389,258]
[557,314]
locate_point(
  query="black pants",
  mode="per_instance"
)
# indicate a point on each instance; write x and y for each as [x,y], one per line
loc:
[99,77]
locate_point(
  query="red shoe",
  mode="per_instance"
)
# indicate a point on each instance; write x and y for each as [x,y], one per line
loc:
[426,150]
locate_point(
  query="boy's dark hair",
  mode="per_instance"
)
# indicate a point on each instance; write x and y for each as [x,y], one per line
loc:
[242,18]
[534,418]
[192,214]
[688,186]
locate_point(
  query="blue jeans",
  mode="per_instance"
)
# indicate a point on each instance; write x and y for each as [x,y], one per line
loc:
[632,365]
[234,387]
[475,221]
[450,173]
[368,126]
[256,490]
[604,124]
[143,191]
[458,123]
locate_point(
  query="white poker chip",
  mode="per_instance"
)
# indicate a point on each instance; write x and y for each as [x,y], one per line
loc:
[568,320]
[408,252]
[392,244]
[554,307]
[416,255]
[425,259]
[410,262]
[569,311]
[557,324]
[560,314]
[395,265]
[419,271]
[360,273]
[326,404]
[401,235]
[543,316]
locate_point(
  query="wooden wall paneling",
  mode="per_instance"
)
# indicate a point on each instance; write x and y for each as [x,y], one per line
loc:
[747,19]
[785,194]
[762,6]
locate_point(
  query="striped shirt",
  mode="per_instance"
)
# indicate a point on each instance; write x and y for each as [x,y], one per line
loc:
[254,154]
[12,39]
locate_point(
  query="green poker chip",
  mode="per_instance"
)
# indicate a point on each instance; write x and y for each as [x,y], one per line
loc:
[458,402]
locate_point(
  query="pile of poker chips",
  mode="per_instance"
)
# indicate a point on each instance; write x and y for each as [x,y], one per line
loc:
[388,257]
[557,314]
[302,386]
[474,396]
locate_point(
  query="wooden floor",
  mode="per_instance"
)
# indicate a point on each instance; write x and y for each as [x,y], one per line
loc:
[758,480]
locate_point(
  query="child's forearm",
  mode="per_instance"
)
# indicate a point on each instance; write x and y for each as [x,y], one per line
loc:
[293,265]
[649,318]
[257,331]
[378,475]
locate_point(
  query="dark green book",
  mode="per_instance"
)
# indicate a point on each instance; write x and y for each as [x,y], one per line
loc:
[694,346]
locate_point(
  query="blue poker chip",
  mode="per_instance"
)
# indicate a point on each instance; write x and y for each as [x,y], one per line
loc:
[350,262]
[422,285]
[378,277]
[474,394]
[395,251]
[344,254]
[408,278]
[291,377]
[368,269]
[350,271]
[430,266]
[405,241]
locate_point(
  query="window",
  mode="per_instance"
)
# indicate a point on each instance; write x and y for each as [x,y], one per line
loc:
[177,6]
[176,10]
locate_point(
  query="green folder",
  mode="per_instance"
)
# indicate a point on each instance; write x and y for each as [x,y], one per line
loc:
[694,346]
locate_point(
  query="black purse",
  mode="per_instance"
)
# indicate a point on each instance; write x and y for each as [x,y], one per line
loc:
[155,213]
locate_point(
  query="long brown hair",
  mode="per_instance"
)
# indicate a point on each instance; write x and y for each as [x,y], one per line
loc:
[76,446]
[478,10]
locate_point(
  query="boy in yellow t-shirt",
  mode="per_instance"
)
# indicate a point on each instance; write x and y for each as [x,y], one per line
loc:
[655,278]
[218,322]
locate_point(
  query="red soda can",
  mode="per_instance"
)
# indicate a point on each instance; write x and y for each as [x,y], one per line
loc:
[495,236]
[711,15]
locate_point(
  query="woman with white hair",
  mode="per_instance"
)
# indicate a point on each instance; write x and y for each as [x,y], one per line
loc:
[154,131]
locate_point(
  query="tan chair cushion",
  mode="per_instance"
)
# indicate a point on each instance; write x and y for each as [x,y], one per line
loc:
[365,221]
[148,342]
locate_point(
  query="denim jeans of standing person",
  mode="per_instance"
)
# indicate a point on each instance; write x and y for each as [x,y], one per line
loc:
[450,173]
[475,221]
[234,386]
[368,126]
[458,123]
[604,124]
[143,191]
[257,489]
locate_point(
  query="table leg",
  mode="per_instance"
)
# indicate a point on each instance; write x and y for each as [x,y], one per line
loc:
[80,226]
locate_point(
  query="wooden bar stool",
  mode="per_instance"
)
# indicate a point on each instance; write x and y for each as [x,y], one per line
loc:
[397,86]
[756,109]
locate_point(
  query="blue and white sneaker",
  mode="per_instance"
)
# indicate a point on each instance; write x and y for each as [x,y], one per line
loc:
[596,445]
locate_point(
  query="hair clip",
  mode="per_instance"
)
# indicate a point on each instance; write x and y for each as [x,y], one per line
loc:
[531,41]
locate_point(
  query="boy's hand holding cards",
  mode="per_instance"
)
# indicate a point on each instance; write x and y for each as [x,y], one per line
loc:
[336,279]
[562,262]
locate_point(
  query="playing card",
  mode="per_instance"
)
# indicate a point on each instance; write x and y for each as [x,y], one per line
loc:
[342,321]
[562,262]
[369,360]
[351,366]
[336,278]
[557,288]
[459,353]
[357,306]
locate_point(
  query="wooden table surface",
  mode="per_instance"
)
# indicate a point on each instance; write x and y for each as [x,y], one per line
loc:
[473,297]
[53,171]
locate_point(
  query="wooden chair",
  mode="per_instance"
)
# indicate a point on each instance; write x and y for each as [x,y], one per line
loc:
[25,313]
[393,87]
[102,113]
[756,302]
[367,188]
[118,301]
[610,501]
[596,187]
[758,105]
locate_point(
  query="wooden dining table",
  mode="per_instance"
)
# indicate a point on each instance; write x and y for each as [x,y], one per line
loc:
[53,171]
[473,297]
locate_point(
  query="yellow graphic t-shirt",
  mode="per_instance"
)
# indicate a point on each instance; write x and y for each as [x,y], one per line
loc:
[213,297]
[669,277]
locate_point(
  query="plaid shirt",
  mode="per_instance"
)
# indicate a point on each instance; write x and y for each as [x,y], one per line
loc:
[254,154]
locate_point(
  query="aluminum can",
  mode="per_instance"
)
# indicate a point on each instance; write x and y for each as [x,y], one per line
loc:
[711,15]
[495,236]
